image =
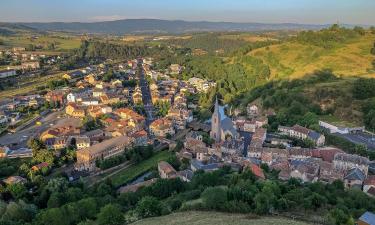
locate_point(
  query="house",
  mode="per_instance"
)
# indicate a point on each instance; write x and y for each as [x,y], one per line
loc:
[97,135]
[304,170]
[175,69]
[198,165]
[185,175]
[60,131]
[15,180]
[7,73]
[368,218]
[344,162]
[31,65]
[255,169]
[256,143]
[3,151]
[272,155]
[140,138]
[166,171]
[303,133]
[87,157]
[252,110]
[55,96]
[327,173]
[82,142]
[73,75]
[354,178]
[233,147]
[74,110]
[162,127]
[57,143]
[369,183]
[40,166]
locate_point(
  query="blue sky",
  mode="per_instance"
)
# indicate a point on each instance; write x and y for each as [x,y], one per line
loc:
[278,11]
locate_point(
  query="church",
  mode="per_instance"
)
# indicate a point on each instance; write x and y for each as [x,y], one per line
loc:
[222,126]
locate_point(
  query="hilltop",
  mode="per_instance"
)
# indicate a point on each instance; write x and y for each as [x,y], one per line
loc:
[293,59]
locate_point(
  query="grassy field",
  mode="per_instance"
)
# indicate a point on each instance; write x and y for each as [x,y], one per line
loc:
[216,218]
[134,171]
[62,43]
[293,60]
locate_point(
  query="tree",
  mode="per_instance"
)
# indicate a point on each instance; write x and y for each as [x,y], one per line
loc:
[359,30]
[338,217]
[110,215]
[18,190]
[149,207]
[53,216]
[57,185]
[214,197]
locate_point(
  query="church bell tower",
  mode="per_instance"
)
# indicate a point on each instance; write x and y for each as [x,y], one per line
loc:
[215,123]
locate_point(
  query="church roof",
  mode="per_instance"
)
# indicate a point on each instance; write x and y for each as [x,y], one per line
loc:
[227,125]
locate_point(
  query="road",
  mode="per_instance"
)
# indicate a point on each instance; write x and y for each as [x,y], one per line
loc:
[20,138]
[146,95]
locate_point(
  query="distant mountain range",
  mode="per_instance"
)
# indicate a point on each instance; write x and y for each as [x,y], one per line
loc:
[155,26]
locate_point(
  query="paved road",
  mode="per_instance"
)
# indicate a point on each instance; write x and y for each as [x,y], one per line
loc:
[146,95]
[360,138]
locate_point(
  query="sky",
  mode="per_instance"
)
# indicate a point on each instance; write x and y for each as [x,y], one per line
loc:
[264,11]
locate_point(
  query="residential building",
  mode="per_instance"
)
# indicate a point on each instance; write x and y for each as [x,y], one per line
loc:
[303,133]
[87,157]
[354,178]
[368,218]
[344,162]
[166,171]
[162,127]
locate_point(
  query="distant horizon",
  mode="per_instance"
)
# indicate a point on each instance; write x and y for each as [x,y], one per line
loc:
[236,11]
[209,21]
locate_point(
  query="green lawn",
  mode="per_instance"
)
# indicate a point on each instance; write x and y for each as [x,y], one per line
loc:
[134,171]
[216,218]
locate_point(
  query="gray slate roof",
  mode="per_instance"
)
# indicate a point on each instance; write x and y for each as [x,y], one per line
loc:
[368,217]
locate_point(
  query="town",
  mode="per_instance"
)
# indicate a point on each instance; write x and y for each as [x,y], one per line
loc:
[113,121]
[109,109]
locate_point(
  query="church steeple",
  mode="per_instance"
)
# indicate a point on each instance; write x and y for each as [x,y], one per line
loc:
[216,123]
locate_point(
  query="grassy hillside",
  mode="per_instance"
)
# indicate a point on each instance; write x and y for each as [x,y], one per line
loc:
[293,59]
[215,218]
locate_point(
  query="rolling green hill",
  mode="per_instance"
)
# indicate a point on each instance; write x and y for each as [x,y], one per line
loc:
[215,218]
[293,59]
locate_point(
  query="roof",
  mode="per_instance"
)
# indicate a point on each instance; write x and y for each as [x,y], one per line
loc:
[108,144]
[200,166]
[355,174]
[257,171]
[371,191]
[227,125]
[14,180]
[301,129]
[359,160]
[368,217]
[314,135]
[166,167]
[370,180]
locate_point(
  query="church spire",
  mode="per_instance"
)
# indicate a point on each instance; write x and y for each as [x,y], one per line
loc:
[216,110]
[216,123]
